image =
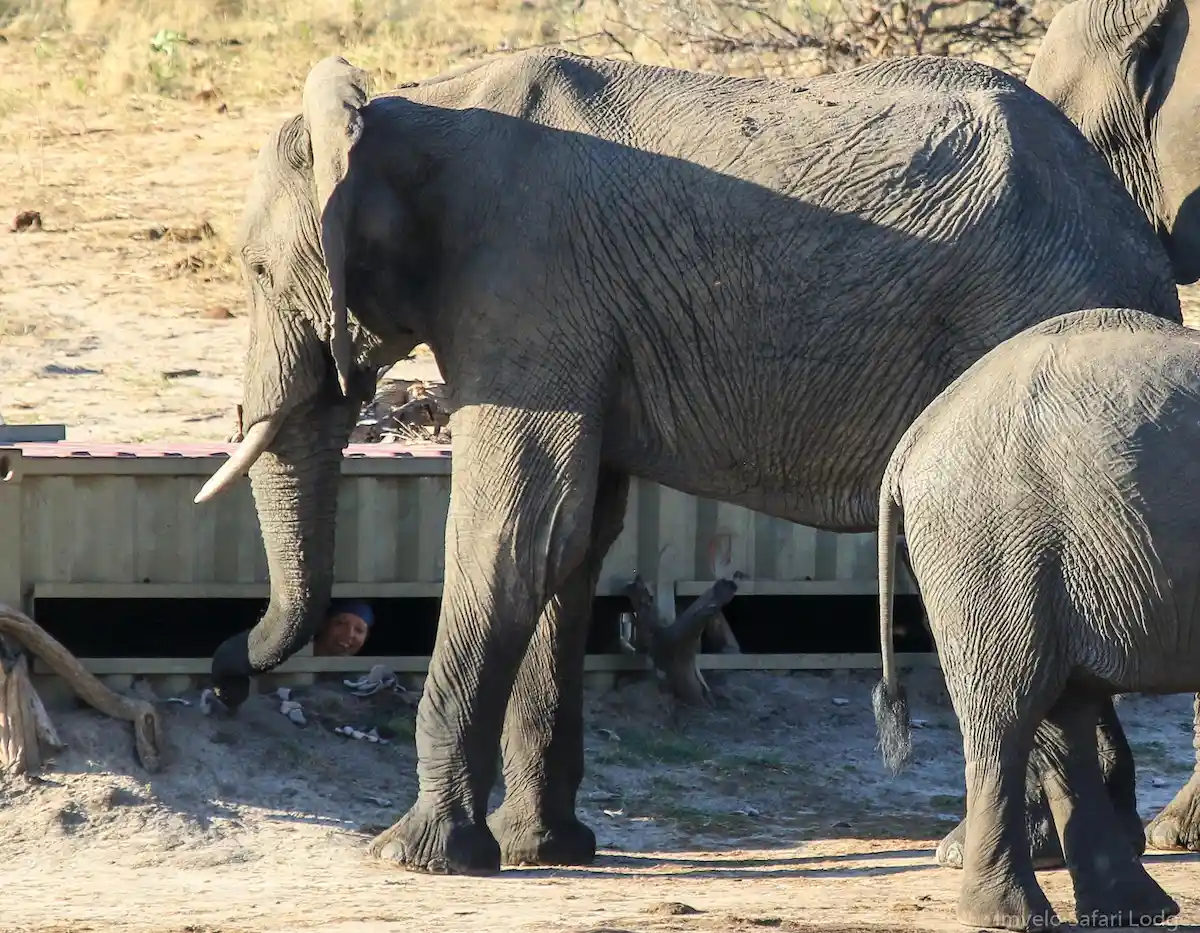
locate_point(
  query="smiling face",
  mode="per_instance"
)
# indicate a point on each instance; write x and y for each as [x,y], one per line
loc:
[344,634]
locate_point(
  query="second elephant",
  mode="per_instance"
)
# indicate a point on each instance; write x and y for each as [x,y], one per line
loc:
[1050,507]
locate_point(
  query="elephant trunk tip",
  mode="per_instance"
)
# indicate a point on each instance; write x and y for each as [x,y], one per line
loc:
[890,704]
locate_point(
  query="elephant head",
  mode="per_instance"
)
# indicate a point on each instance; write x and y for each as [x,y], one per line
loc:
[1127,73]
[316,239]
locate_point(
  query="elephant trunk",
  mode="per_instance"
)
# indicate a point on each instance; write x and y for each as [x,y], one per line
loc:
[295,487]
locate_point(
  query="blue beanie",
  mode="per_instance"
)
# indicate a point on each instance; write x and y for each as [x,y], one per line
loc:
[355,607]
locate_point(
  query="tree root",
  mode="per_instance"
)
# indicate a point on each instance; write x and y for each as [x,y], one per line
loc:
[673,645]
[25,727]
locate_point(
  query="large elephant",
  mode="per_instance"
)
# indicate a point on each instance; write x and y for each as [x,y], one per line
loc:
[1127,73]
[1051,517]
[742,289]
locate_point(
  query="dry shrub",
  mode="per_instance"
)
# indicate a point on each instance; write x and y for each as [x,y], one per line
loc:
[765,37]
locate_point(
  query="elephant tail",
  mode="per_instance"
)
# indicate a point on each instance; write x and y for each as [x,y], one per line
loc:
[889,699]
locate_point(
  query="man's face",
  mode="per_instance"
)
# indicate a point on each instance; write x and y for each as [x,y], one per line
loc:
[344,634]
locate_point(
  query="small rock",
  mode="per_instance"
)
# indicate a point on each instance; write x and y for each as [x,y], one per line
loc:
[284,693]
[1158,782]
[840,701]
[609,734]
[842,824]
[172,685]
[614,813]
[287,706]
[672,909]
[297,716]
[746,811]
[26,220]
[118,683]
[56,369]
[216,313]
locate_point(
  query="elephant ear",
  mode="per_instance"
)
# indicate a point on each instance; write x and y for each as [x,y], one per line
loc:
[1127,24]
[334,94]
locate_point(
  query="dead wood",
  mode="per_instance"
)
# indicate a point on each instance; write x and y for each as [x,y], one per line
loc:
[673,644]
[25,727]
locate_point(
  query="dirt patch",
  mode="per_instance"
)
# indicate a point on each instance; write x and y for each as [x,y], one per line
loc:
[770,812]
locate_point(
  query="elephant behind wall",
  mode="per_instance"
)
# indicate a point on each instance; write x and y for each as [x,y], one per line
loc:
[741,289]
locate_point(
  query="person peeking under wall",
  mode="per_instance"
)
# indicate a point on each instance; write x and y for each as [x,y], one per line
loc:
[345,629]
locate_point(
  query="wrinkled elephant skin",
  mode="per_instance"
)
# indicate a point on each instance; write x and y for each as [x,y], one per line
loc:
[1127,73]
[742,289]
[1058,568]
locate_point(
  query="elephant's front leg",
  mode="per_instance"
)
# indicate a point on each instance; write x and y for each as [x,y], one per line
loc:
[1117,768]
[1177,827]
[543,731]
[522,490]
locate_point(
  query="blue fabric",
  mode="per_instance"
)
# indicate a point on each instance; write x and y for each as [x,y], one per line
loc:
[355,607]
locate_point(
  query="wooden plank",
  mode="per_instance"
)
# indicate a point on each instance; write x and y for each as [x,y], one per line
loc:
[32,433]
[787,587]
[11,528]
[206,466]
[418,589]
[417,664]
[409,590]
[396,589]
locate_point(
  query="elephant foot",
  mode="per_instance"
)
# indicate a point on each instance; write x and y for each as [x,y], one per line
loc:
[1044,847]
[1177,827]
[532,841]
[1128,899]
[1006,907]
[424,841]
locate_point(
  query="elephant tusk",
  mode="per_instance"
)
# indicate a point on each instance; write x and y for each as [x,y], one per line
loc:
[257,440]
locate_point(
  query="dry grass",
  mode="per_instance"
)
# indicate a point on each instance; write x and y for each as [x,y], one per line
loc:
[85,53]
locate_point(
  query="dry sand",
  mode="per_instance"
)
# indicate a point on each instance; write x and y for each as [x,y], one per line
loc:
[771,811]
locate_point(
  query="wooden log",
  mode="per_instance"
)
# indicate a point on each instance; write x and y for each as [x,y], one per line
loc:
[718,637]
[673,644]
[20,752]
[23,716]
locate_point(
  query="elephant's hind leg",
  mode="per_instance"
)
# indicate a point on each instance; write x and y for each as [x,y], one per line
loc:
[1177,827]
[999,887]
[1116,764]
[1111,886]
[543,730]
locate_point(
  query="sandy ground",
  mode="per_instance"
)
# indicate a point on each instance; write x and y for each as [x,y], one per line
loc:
[770,811]
[107,325]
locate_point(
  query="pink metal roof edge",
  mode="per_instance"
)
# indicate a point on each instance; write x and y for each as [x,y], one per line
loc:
[146,451]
